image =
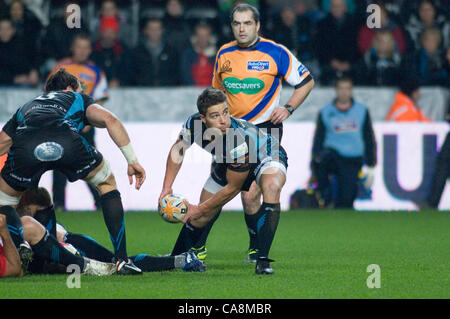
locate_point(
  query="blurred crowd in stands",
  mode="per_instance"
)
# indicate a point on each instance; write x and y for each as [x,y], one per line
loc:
[174,42]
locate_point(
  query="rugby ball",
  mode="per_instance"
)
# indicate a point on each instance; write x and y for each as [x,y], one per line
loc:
[172,208]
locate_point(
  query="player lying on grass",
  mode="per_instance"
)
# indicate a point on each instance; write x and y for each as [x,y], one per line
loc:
[44,134]
[10,265]
[36,202]
[242,154]
[50,256]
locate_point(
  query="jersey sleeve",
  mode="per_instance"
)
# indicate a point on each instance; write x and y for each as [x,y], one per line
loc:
[11,126]
[186,133]
[216,82]
[87,100]
[291,69]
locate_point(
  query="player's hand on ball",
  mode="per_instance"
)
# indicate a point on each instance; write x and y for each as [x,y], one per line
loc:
[139,172]
[279,115]
[164,192]
[193,212]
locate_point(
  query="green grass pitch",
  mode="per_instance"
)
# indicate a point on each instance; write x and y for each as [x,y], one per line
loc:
[319,254]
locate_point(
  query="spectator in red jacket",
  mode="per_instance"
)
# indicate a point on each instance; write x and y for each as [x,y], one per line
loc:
[197,61]
[366,34]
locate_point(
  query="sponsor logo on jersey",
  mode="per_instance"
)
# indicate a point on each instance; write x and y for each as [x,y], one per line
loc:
[302,69]
[248,86]
[226,67]
[48,152]
[344,125]
[257,65]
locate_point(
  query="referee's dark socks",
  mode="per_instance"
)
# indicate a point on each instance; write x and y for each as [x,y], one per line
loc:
[115,222]
[204,236]
[88,247]
[14,224]
[189,235]
[266,227]
[252,221]
[50,249]
[47,218]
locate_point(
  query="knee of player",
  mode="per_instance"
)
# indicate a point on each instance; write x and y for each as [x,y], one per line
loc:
[32,230]
[271,187]
[103,177]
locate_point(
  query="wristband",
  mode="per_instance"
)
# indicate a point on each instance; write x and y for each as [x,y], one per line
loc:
[128,152]
[289,108]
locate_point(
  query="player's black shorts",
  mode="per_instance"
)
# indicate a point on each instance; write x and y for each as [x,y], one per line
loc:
[275,130]
[219,170]
[36,151]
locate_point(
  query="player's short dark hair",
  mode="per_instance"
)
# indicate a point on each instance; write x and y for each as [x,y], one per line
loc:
[33,196]
[60,81]
[245,7]
[209,97]
[344,78]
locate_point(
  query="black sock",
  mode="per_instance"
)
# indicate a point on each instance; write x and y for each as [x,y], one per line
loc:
[149,263]
[50,249]
[115,221]
[88,247]
[47,218]
[251,221]
[186,239]
[266,227]
[14,224]
[204,236]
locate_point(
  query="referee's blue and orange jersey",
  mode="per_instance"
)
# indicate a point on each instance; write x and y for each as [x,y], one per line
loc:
[91,75]
[252,77]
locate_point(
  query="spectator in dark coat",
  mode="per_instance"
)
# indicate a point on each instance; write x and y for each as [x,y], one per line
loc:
[427,63]
[294,32]
[56,41]
[15,58]
[381,65]
[335,43]
[177,30]
[427,17]
[154,61]
[110,54]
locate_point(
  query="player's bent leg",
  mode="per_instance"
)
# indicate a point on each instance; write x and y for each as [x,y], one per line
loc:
[9,198]
[271,182]
[192,230]
[186,261]
[200,246]
[251,201]
[47,247]
[103,179]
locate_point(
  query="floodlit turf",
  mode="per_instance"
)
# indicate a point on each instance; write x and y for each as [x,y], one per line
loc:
[319,254]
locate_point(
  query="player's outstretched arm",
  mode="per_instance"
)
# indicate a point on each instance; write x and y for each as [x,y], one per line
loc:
[235,181]
[100,117]
[5,143]
[173,165]
[13,264]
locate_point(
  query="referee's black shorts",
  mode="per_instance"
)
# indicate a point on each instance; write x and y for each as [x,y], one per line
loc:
[36,151]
